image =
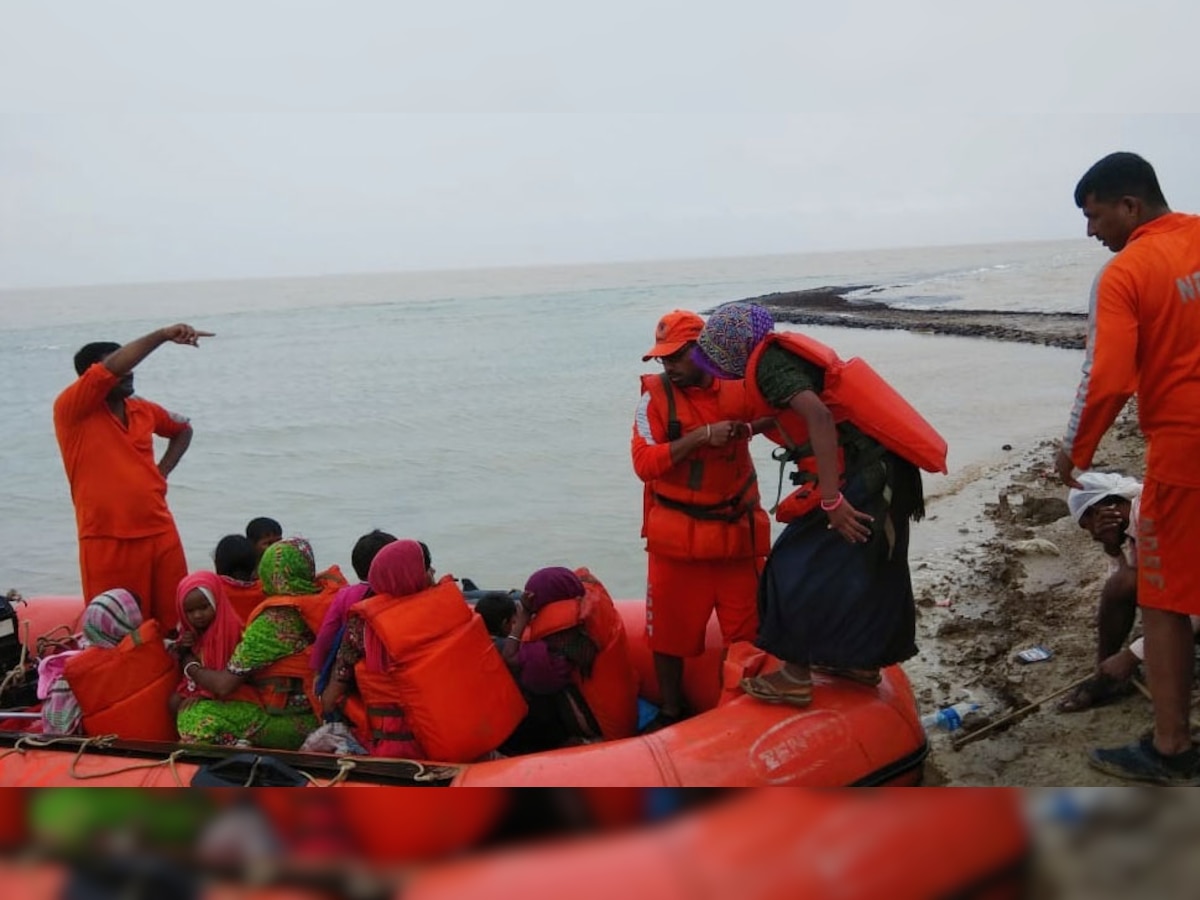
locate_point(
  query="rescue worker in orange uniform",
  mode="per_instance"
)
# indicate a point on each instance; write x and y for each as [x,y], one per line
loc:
[1144,338]
[706,532]
[105,435]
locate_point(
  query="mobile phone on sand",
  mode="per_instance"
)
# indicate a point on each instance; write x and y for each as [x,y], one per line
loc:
[1034,654]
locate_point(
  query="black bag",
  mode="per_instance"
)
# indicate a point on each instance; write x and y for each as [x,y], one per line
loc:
[248,770]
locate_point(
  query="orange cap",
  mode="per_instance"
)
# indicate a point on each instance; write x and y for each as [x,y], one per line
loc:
[676,328]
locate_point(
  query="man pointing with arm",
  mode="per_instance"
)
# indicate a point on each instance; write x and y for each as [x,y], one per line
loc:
[127,537]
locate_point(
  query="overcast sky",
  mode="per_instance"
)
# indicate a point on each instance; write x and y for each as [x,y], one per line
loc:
[287,138]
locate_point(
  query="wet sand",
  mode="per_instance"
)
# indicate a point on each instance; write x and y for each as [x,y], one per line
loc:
[829,306]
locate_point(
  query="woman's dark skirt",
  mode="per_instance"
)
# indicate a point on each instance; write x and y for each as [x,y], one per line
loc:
[825,601]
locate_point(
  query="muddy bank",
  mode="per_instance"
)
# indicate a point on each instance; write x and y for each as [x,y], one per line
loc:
[1021,574]
[829,306]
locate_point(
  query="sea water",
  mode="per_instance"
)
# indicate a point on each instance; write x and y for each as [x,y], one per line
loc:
[486,412]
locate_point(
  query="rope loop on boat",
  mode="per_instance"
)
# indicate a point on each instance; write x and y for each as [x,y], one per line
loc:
[67,642]
[17,671]
[103,741]
[345,767]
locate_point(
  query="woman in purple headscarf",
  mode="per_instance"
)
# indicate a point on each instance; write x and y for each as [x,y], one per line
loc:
[546,669]
[835,594]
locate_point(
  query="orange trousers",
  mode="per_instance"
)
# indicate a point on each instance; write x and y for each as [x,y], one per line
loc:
[681,595]
[150,568]
[1167,542]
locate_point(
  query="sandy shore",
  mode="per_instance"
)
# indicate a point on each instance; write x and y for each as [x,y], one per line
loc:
[1023,575]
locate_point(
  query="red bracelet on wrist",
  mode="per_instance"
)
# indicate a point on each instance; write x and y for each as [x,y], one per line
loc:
[831,505]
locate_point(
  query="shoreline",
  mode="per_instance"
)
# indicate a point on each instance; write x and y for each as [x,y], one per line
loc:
[830,306]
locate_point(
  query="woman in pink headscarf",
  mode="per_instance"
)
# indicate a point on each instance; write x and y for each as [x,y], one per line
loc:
[399,570]
[209,628]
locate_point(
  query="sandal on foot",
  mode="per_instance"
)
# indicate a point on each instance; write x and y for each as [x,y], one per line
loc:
[1099,690]
[761,688]
[869,677]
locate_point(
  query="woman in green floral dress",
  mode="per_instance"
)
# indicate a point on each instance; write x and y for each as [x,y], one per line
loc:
[287,569]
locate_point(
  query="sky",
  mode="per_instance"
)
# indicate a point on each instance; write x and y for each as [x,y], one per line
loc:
[140,142]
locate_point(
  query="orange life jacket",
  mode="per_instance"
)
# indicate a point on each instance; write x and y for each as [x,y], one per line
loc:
[243,597]
[124,690]
[611,691]
[272,686]
[707,507]
[331,577]
[855,393]
[444,682]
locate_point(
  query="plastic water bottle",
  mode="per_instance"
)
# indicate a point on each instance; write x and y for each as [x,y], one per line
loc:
[948,718]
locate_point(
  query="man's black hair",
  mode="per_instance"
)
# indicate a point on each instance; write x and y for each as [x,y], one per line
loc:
[494,607]
[365,549]
[262,527]
[1120,175]
[92,353]
[234,557]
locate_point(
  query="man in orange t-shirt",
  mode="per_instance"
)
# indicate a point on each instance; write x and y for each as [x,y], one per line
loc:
[705,529]
[127,537]
[1144,338]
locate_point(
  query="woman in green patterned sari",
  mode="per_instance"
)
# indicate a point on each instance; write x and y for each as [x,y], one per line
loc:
[257,707]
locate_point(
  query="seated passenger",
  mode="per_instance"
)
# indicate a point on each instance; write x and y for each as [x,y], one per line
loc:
[262,533]
[542,677]
[430,681]
[237,564]
[209,631]
[329,635]
[114,683]
[262,693]
[567,640]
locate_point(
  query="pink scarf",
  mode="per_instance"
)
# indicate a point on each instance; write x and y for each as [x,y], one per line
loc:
[398,570]
[216,643]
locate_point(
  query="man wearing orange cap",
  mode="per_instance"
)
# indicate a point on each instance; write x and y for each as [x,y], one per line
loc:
[705,529]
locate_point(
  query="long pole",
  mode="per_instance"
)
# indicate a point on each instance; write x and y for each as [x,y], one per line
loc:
[961,740]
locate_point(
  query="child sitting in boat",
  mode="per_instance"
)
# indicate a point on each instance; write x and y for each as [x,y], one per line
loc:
[262,532]
[209,631]
[236,563]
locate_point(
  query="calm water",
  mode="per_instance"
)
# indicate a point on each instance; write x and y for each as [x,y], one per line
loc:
[486,412]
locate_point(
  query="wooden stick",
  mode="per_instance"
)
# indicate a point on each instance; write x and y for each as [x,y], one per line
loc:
[961,740]
[1145,692]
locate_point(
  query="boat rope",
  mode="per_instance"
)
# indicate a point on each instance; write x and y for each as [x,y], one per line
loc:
[432,773]
[100,742]
[47,640]
[345,767]
[103,740]
[17,671]
[41,742]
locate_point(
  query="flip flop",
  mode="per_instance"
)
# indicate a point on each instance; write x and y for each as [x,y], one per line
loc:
[1099,690]
[760,688]
[869,677]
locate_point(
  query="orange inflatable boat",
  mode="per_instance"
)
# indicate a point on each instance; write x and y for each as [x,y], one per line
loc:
[850,735]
